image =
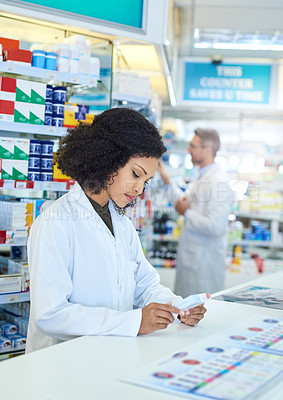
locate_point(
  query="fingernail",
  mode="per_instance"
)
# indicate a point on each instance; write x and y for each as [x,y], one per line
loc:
[182,313]
[187,312]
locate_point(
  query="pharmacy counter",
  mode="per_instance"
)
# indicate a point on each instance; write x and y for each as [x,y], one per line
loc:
[89,367]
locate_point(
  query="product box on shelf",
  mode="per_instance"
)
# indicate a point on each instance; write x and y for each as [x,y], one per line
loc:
[58,174]
[38,93]
[17,56]
[23,90]
[7,89]
[20,170]
[6,169]
[21,149]
[10,283]
[6,148]
[36,114]
[17,341]
[22,112]
[7,110]
[7,328]
[9,43]
[5,344]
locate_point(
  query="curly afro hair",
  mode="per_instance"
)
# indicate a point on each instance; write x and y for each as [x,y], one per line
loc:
[92,154]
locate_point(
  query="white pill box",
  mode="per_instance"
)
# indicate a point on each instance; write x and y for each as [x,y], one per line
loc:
[5,344]
[21,149]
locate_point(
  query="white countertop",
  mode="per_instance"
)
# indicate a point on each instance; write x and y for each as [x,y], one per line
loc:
[89,367]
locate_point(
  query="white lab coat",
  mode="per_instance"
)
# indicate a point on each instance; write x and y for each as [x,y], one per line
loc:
[202,245]
[84,281]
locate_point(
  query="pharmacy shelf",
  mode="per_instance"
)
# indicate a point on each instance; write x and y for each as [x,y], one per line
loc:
[262,216]
[17,237]
[32,129]
[36,185]
[164,238]
[14,298]
[257,243]
[47,74]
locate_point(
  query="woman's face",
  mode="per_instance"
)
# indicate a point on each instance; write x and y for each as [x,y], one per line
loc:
[131,180]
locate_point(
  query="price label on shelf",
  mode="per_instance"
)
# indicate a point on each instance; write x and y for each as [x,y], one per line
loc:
[51,130]
[75,79]
[20,184]
[51,75]
[11,67]
[47,185]
[12,298]
[11,241]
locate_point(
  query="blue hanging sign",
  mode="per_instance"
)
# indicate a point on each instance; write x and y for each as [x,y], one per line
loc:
[229,83]
[125,12]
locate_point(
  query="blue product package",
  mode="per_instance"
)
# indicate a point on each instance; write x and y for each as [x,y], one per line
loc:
[49,93]
[48,119]
[34,147]
[59,94]
[46,176]
[46,164]
[57,122]
[38,58]
[47,148]
[58,110]
[51,61]
[48,107]
[5,343]
[17,341]
[33,175]
[34,163]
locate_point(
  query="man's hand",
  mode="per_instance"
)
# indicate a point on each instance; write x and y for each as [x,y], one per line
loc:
[182,205]
[157,316]
[193,316]
[162,172]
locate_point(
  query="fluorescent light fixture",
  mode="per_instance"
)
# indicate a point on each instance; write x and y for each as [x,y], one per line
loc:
[171,90]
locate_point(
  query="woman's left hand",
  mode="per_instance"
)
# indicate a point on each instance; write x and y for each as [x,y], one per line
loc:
[193,316]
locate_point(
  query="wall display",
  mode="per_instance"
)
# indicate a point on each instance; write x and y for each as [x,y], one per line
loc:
[226,83]
[233,365]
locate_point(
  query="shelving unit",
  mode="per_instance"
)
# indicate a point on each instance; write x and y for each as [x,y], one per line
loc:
[47,74]
[32,129]
[14,297]
[37,185]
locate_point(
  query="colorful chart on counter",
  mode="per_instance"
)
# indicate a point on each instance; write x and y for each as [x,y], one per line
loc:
[243,361]
[255,296]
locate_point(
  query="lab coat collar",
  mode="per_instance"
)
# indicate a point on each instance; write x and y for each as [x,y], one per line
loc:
[79,197]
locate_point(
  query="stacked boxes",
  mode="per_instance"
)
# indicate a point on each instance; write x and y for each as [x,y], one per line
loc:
[54,105]
[30,102]
[12,52]
[13,326]
[14,155]
[75,113]
[41,160]
[7,99]
[15,215]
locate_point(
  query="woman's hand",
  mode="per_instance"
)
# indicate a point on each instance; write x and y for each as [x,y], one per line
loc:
[193,316]
[157,316]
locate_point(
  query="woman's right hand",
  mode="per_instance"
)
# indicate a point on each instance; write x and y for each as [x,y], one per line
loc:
[157,316]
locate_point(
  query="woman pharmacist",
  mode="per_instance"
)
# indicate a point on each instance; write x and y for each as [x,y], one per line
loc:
[88,272]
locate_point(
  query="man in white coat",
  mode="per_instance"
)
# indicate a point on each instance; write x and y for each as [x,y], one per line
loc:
[202,246]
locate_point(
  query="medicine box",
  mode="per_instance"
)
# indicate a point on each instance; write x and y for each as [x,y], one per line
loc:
[6,148]
[17,341]
[5,344]
[7,89]
[7,110]
[18,56]
[21,113]
[7,169]
[37,113]
[23,90]
[9,43]
[7,328]
[38,93]
[20,170]
[21,149]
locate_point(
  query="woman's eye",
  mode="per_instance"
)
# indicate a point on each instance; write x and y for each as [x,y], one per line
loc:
[135,175]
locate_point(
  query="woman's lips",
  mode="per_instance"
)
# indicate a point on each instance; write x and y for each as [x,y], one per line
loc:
[129,198]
